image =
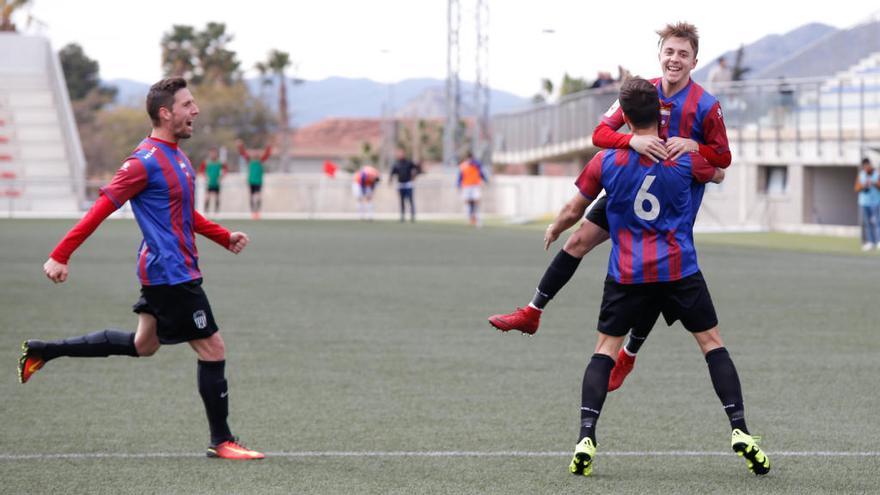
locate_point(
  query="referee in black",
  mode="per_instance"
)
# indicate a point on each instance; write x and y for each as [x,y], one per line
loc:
[406,172]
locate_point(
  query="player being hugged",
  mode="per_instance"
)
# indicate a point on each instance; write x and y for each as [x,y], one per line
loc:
[690,121]
[652,268]
[159,181]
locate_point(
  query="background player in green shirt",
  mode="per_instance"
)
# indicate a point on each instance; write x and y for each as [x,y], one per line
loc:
[213,169]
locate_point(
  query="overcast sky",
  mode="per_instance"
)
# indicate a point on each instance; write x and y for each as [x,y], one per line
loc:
[390,40]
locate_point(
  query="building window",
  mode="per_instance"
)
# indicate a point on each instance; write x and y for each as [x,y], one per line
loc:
[772,180]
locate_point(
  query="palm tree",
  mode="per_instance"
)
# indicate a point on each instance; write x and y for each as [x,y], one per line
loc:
[7,7]
[275,66]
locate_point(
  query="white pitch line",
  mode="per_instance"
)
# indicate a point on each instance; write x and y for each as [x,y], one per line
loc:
[449,453]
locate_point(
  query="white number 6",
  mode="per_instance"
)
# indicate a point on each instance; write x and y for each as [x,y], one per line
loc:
[642,196]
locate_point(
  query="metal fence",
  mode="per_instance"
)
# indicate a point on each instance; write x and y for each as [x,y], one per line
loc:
[805,112]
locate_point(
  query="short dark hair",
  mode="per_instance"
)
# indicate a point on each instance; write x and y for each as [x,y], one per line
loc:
[640,102]
[161,95]
[680,30]
[866,161]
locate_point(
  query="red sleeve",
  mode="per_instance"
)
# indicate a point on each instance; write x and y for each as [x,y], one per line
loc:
[605,136]
[202,167]
[701,169]
[266,154]
[243,152]
[211,230]
[716,148]
[589,183]
[102,209]
[130,179]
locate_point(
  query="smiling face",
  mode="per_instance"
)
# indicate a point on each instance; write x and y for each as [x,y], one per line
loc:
[179,120]
[677,60]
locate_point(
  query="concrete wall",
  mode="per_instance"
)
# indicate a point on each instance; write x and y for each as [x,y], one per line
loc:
[315,195]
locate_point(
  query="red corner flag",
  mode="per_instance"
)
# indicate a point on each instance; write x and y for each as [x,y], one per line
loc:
[330,169]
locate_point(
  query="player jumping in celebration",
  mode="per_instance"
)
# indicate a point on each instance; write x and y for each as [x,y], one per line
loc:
[256,167]
[159,181]
[652,268]
[690,121]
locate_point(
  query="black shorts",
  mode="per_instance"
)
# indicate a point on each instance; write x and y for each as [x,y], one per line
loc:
[597,213]
[182,311]
[625,306]
[255,188]
[215,189]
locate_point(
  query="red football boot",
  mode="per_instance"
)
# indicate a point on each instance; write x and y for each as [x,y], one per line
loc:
[623,367]
[30,361]
[231,449]
[526,320]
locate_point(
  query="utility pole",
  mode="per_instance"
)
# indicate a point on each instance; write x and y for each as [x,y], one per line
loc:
[453,95]
[482,138]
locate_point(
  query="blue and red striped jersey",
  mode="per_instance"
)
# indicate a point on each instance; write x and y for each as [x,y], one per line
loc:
[650,213]
[158,180]
[690,113]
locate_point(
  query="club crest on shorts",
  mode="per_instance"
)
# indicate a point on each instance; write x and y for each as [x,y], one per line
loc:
[200,319]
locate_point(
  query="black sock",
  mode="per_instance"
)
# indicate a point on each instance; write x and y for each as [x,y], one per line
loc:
[593,392]
[634,342]
[215,395]
[96,344]
[557,275]
[727,387]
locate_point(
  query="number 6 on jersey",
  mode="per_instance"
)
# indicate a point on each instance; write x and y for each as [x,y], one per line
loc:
[642,196]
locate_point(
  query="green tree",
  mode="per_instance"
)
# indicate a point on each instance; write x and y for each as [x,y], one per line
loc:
[545,94]
[571,85]
[110,137]
[201,57]
[216,63]
[80,71]
[273,71]
[421,140]
[228,113]
[367,156]
[179,52]
[7,8]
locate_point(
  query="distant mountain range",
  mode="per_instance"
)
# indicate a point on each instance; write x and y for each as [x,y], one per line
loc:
[797,53]
[770,50]
[312,101]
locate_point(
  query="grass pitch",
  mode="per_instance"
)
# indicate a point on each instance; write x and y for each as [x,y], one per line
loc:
[346,337]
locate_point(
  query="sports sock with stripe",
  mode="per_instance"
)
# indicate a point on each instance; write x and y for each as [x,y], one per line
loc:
[726,382]
[215,394]
[557,275]
[593,392]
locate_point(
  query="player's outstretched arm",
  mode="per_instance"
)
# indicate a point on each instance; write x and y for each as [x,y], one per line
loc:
[57,272]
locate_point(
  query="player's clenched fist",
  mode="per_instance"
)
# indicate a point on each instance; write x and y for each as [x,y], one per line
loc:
[57,272]
[237,241]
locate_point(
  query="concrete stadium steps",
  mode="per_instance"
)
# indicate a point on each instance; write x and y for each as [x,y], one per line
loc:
[43,172]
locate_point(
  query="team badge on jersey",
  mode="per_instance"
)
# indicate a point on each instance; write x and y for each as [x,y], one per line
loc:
[200,319]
